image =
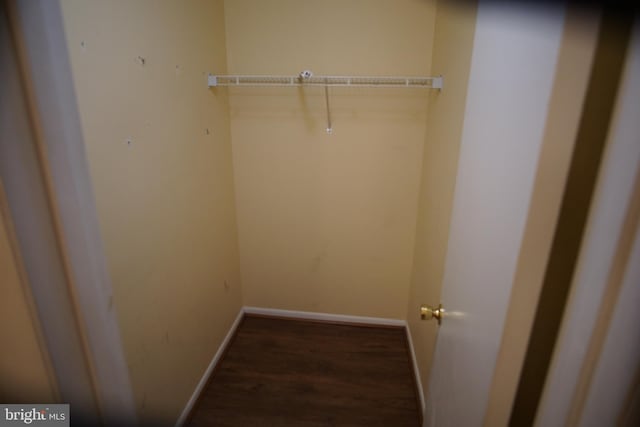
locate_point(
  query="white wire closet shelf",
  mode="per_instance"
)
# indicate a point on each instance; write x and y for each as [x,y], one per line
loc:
[332,81]
[307,78]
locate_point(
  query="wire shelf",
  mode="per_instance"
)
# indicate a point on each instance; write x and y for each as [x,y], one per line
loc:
[330,81]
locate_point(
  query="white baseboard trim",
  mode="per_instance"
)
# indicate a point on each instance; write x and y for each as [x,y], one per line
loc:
[205,377]
[416,369]
[293,314]
[327,317]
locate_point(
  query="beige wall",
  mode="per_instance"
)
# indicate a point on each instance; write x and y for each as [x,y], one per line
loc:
[453,43]
[327,222]
[25,374]
[165,201]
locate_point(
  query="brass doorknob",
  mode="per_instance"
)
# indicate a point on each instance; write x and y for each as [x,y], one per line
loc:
[427,312]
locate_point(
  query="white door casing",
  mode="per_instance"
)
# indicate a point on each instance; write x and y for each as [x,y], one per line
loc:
[51,198]
[621,351]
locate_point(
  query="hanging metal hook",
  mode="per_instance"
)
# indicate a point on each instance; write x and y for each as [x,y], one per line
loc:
[326,98]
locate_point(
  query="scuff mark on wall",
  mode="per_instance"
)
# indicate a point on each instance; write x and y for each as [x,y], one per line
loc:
[317,262]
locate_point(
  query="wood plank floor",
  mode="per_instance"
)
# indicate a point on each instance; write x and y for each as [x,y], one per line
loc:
[282,372]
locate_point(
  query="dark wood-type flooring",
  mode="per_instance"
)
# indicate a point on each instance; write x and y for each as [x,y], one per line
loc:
[283,372]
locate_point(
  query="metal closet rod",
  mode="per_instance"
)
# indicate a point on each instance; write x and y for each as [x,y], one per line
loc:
[333,81]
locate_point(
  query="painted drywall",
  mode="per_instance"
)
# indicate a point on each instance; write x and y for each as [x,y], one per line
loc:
[25,374]
[158,146]
[326,223]
[452,46]
[511,79]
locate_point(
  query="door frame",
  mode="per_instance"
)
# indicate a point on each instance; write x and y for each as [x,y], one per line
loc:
[565,119]
[66,211]
[595,362]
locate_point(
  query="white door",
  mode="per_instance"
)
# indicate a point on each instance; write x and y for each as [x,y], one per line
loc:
[510,85]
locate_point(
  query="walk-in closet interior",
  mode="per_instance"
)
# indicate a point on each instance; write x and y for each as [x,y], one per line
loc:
[337,160]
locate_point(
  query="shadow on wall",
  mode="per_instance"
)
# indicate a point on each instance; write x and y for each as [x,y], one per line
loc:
[357,105]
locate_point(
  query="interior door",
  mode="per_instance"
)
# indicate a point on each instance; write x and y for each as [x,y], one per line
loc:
[511,81]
